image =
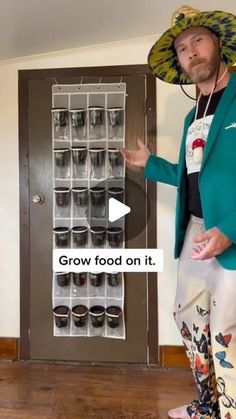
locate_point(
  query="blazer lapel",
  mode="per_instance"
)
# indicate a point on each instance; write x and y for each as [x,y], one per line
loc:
[218,118]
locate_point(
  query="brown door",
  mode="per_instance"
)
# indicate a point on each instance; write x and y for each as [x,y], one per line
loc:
[42,343]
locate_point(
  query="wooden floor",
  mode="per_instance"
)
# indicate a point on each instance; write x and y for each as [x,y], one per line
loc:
[43,390]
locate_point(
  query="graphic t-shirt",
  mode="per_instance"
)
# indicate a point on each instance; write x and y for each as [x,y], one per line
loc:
[198,129]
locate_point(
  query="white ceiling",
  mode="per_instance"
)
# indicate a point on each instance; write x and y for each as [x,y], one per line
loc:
[30,27]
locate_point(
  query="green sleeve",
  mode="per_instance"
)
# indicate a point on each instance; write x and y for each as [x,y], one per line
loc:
[161,170]
[228,227]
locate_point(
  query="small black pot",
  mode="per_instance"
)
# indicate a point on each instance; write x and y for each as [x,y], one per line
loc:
[79,155]
[61,157]
[98,196]
[98,202]
[96,115]
[80,235]
[97,315]
[59,117]
[79,278]
[115,157]
[113,278]
[97,156]
[96,278]
[62,236]
[115,116]
[62,196]
[117,193]
[114,236]
[98,235]
[80,196]
[63,278]
[61,316]
[80,315]
[78,117]
[113,316]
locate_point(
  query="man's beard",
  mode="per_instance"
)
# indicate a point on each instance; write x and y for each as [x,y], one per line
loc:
[201,70]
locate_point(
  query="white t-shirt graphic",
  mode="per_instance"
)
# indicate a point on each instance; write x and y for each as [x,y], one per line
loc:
[198,129]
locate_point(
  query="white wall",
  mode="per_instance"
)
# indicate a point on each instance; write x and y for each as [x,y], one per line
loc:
[169,121]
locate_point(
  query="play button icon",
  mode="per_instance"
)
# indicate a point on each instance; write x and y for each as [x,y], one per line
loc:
[106,205]
[116,210]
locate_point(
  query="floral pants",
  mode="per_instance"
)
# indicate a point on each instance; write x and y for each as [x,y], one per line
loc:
[205,313]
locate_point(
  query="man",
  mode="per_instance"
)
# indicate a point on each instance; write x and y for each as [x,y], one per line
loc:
[197,49]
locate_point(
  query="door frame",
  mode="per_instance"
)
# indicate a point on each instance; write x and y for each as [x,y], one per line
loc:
[24,76]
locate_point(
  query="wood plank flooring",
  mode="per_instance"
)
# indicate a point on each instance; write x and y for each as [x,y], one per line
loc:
[31,390]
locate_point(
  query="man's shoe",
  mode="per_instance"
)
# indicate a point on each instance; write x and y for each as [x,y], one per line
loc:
[179,413]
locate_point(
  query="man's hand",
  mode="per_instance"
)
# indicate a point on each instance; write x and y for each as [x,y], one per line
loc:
[211,243]
[136,157]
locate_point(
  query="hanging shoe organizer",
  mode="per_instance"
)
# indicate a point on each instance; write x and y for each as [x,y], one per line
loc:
[88,125]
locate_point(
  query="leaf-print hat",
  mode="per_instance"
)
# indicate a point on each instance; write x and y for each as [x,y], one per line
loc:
[162,58]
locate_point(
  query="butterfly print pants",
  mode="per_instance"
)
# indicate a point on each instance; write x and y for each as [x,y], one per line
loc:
[205,313]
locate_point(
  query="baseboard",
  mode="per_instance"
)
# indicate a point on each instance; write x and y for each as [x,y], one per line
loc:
[9,349]
[170,356]
[173,356]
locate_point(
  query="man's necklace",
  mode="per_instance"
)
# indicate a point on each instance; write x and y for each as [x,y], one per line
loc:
[199,143]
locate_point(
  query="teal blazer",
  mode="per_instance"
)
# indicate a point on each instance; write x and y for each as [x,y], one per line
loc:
[217,177]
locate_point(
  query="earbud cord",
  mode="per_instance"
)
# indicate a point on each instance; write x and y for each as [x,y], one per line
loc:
[209,99]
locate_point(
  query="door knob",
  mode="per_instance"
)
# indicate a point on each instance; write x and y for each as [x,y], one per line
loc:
[38,198]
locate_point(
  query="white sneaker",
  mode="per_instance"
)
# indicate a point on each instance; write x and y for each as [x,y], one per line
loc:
[179,413]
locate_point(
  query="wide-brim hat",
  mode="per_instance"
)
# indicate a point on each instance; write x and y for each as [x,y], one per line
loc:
[162,58]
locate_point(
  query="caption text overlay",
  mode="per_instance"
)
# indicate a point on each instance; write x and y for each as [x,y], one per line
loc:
[108,260]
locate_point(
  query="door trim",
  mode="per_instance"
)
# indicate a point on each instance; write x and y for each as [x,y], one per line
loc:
[24,76]
[173,356]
